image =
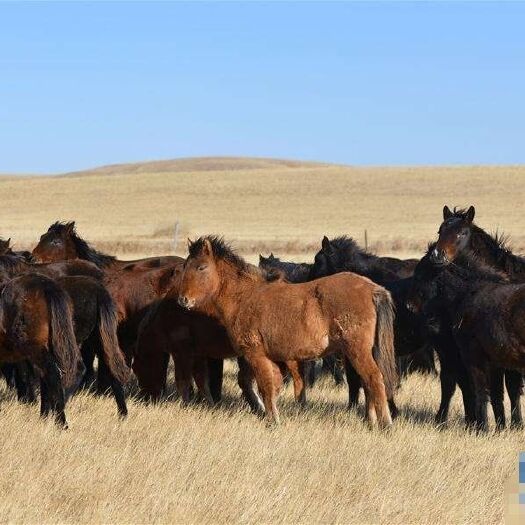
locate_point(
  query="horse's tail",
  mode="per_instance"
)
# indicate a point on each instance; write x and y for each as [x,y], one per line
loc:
[110,350]
[63,341]
[383,350]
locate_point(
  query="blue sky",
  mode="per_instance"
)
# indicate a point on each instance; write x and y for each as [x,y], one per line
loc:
[85,84]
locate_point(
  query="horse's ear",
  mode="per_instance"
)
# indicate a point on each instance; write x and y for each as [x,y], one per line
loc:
[261,259]
[190,243]
[207,248]
[446,213]
[469,217]
[326,245]
[8,242]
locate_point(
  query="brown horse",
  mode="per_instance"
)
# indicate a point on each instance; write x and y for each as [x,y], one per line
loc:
[192,339]
[36,325]
[271,322]
[61,242]
[133,285]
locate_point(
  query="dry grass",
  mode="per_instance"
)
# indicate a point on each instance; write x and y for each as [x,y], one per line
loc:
[170,464]
[173,464]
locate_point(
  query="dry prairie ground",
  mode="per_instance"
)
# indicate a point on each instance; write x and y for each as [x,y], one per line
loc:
[169,463]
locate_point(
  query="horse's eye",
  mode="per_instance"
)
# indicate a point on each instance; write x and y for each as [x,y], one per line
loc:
[202,267]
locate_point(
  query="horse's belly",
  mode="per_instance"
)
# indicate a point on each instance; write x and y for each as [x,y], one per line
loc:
[296,348]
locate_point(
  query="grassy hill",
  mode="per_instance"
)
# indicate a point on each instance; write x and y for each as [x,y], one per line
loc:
[260,204]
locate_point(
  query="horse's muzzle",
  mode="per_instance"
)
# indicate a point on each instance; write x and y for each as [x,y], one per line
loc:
[438,256]
[186,303]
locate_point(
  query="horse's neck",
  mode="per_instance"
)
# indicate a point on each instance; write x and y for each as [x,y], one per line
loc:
[488,250]
[233,293]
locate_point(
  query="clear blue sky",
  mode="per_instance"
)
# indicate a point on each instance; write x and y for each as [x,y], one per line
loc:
[86,84]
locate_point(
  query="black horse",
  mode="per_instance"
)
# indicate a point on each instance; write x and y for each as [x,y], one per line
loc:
[459,235]
[483,313]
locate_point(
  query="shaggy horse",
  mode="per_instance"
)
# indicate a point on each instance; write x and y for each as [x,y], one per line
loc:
[36,325]
[486,315]
[195,341]
[300,273]
[271,322]
[458,236]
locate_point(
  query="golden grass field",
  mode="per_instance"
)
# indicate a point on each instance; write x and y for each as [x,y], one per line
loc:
[174,464]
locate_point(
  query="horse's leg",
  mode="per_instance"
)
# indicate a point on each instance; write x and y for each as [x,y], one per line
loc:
[359,351]
[297,371]
[216,371]
[183,373]
[24,376]
[496,396]
[201,376]
[88,356]
[245,380]
[479,374]
[265,373]
[354,384]
[447,379]
[117,389]
[54,390]
[514,384]
[151,365]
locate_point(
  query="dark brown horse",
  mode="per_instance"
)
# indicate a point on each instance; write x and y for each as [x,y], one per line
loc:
[36,325]
[459,236]
[133,285]
[485,313]
[343,313]
[61,242]
[95,323]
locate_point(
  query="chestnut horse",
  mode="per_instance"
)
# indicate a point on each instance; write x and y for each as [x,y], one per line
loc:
[36,325]
[194,340]
[270,322]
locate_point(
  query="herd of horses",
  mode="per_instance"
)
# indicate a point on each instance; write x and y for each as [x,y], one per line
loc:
[65,304]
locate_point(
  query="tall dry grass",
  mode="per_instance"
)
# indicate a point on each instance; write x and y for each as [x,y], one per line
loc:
[174,464]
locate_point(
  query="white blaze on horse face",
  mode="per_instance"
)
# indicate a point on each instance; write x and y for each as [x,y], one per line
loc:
[325,341]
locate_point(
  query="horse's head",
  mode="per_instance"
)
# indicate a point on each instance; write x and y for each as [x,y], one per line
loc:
[424,288]
[324,260]
[56,244]
[5,246]
[200,279]
[454,234]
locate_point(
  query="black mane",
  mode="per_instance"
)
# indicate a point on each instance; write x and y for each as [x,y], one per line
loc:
[293,272]
[221,250]
[84,250]
[493,249]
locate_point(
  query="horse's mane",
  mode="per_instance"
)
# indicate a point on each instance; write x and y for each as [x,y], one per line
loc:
[11,263]
[343,242]
[84,250]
